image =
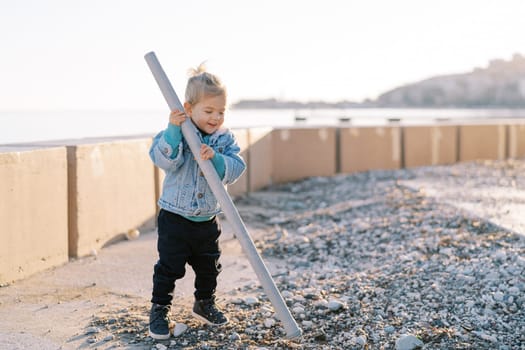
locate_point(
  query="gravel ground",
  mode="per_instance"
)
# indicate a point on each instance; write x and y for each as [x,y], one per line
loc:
[375,260]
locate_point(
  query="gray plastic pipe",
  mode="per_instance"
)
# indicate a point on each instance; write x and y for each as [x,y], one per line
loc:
[230,211]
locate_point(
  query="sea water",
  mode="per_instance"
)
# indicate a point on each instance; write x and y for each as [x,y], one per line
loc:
[32,126]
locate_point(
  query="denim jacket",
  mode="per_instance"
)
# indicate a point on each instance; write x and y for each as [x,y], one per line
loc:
[185,190]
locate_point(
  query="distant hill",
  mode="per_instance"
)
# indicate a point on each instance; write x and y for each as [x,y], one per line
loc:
[500,85]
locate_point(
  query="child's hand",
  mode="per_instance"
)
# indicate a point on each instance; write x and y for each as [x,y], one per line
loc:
[177,117]
[207,152]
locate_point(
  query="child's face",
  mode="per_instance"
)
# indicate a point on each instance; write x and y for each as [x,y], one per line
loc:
[208,113]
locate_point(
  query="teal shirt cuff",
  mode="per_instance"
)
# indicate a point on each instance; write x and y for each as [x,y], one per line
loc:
[173,136]
[199,218]
[219,164]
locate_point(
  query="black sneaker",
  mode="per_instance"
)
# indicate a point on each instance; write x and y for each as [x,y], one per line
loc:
[206,311]
[159,321]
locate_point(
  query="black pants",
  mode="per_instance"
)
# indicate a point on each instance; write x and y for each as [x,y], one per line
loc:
[184,241]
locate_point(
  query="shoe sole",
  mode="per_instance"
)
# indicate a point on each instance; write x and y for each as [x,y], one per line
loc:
[203,319]
[162,336]
[159,336]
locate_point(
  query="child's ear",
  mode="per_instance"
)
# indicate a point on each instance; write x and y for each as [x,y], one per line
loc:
[187,108]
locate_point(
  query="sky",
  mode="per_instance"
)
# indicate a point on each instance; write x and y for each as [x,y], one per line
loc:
[76,54]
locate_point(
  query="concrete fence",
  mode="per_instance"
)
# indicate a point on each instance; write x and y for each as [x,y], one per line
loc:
[112,186]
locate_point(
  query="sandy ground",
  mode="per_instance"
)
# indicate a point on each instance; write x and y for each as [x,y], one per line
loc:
[53,309]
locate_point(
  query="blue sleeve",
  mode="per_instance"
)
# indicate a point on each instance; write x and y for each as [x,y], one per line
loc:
[219,165]
[173,136]
[234,165]
[161,151]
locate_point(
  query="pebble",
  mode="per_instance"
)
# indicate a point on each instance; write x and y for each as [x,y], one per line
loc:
[307,324]
[408,342]
[92,330]
[498,296]
[514,291]
[179,329]
[500,256]
[235,336]
[269,322]
[132,234]
[486,336]
[286,294]
[298,311]
[251,300]
[360,340]
[389,329]
[335,305]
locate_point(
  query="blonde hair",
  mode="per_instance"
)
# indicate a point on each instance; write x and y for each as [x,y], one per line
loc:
[202,83]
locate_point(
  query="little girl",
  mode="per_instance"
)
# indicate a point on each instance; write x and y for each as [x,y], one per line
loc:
[188,229]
